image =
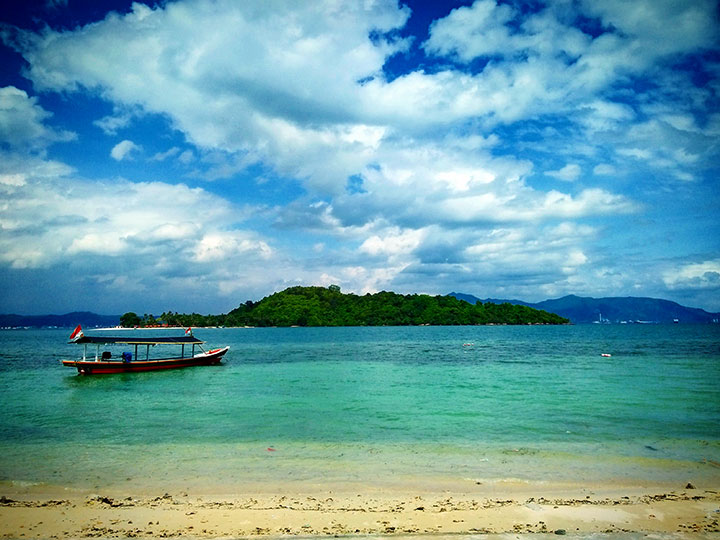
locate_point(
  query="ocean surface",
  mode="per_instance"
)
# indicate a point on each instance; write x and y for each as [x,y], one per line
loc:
[389,406]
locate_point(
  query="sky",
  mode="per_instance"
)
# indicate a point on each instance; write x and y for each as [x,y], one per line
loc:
[190,155]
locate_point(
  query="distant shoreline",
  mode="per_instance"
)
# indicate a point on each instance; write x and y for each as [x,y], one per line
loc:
[177,328]
[577,309]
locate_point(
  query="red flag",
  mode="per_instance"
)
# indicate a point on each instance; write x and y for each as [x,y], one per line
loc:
[77,333]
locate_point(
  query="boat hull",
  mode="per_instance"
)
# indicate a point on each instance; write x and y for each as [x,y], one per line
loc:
[91,367]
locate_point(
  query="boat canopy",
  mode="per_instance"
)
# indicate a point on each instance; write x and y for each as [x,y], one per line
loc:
[139,340]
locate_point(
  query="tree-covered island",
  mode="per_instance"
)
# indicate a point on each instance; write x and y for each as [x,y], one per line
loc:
[320,306]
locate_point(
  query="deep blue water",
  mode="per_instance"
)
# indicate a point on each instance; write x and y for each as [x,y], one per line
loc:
[363,404]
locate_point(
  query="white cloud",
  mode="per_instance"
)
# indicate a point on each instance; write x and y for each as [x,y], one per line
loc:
[123,150]
[603,115]
[662,147]
[423,174]
[483,29]
[106,241]
[17,168]
[186,157]
[393,243]
[541,65]
[460,179]
[659,27]
[604,169]
[104,244]
[554,204]
[469,32]
[684,122]
[52,219]
[637,153]
[22,122]
[703,275]
[12,179]
[309,116]
[162,156]
[527,257]
[221,246]
[569,173]
[120,119]
[294,115]
[423,184]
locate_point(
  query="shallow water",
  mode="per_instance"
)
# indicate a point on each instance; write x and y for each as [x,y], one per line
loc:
[380,406]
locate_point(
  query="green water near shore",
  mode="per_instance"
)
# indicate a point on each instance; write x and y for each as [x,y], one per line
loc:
[381,406]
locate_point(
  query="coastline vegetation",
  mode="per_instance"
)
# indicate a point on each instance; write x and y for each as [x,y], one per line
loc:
[320,306]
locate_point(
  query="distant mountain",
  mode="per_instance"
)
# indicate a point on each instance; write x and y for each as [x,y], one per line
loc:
[474,299]
[69,320]
[581,309]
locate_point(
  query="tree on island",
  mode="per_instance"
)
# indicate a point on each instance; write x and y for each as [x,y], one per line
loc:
[130,320]
[320,306]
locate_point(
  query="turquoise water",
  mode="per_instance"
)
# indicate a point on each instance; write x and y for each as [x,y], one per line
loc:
[386,406]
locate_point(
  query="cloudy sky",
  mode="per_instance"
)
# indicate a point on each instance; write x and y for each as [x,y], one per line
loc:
[190,155]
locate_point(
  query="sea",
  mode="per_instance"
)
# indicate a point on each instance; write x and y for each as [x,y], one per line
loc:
[388,407]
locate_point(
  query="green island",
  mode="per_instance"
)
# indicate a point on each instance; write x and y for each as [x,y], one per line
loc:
[320,306]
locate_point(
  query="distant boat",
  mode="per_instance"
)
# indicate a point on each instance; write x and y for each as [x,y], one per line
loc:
[103,363]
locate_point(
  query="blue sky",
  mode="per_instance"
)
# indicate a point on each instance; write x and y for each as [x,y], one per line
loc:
[190,155]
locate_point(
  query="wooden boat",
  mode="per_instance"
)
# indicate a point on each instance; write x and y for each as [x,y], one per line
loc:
[103,363]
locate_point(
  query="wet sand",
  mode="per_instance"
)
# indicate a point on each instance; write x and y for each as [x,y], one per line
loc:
[42,512]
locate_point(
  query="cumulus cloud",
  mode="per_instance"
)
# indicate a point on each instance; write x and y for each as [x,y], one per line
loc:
[703,275]
[523,251]
[324,121]
[645,25]
[221,246]
[103,241]
[569,173]
[53,218]
[484,29]
[123,150]
[23,122]
[541,64]
[393,243]
[291,115]
[420,172]
[121,118]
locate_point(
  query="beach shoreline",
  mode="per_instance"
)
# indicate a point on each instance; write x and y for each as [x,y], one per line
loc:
[41,511]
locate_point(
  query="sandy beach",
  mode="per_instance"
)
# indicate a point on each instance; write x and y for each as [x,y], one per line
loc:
[42,512]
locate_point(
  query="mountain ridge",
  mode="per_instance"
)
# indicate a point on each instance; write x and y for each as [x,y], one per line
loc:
[587,309]
[66,320]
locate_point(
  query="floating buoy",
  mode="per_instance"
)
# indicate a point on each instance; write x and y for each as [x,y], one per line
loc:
[606,355]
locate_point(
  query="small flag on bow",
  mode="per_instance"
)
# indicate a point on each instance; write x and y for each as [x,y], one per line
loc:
[77,334]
